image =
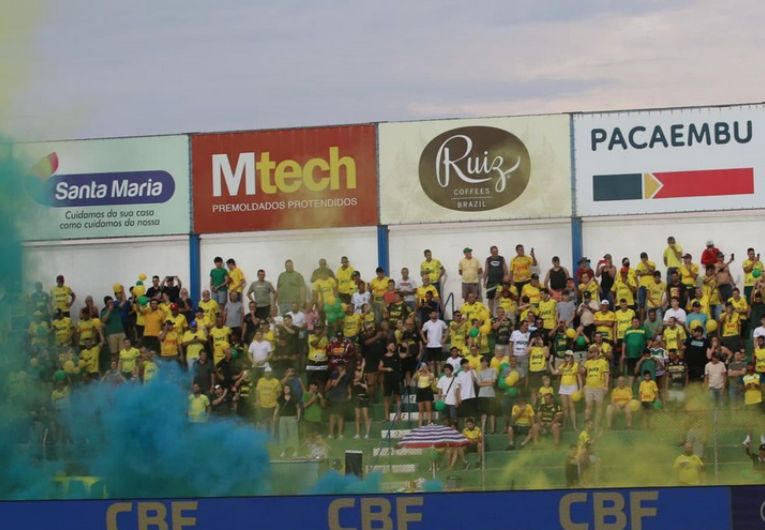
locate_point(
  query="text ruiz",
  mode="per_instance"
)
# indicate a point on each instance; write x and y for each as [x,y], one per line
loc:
[453,159]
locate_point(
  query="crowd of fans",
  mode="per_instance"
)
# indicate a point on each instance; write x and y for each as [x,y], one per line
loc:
[301,356]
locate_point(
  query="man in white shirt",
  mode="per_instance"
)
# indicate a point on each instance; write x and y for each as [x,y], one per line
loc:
[519,345]
[298,317]
[360,297]
[466,396]
[407,287]
[675,311]
[447,391]
[433,334]
[759,331]
[259,352]
[715,375]
[454,359]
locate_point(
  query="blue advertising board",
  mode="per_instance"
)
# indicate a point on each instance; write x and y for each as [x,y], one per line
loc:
[605,509]
[748,507]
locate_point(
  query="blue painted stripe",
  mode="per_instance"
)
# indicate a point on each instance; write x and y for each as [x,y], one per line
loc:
[383,248]
[194,267]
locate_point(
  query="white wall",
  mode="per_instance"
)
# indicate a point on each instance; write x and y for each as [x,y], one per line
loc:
[407,243]
[629,235]
[92,267]
[269,251]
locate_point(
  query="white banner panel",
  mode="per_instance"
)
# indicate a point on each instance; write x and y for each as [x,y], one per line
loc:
[476,169]
[658,161]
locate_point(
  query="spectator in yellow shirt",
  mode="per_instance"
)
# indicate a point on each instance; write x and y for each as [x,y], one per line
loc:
[235,278]
[520,267]
[688,467]
[470,270]
[621,396]
[62,297]
[648,392]
[672,255]
[433,269]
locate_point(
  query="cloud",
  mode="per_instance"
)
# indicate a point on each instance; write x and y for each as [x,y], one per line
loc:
[119,69]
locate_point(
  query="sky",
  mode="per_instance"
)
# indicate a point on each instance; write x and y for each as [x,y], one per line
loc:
[79,68]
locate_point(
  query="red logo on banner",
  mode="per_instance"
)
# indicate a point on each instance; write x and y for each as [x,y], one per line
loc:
[318,177]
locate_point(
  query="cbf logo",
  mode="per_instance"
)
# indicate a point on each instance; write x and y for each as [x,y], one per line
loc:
[96,189]
[474,168]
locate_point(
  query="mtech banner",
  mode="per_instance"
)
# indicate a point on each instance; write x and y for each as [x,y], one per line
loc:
[318,177]
[672,160]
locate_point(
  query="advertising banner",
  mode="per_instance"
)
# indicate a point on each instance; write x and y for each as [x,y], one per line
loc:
[114,187]
[674,160]
[292,178]
[748,507]
[621,509]
[473,170]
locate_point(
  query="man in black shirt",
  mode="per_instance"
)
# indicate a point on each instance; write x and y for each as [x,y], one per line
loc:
[494,272]
[172,288]
[696,354]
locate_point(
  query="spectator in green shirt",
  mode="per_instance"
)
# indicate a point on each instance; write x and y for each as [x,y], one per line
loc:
[218,286]
[633,346]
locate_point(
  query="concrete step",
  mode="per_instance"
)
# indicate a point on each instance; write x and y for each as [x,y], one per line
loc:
[412,416]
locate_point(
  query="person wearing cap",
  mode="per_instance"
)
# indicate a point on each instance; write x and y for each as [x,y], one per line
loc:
[709,254]
[695,318]
[672,255]
[470,271]
[521,267]
[586,312]
[169,340]
[179,319]
[605,320]
[606,271]
[583,267]
[62,297]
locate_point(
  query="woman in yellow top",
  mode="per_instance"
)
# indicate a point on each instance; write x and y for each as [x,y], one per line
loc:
[424,378]
[730,328]
[570,382]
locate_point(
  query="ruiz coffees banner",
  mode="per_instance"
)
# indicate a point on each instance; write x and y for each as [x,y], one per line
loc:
[657,161]
[477,169]
[114,187]
[291,178]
